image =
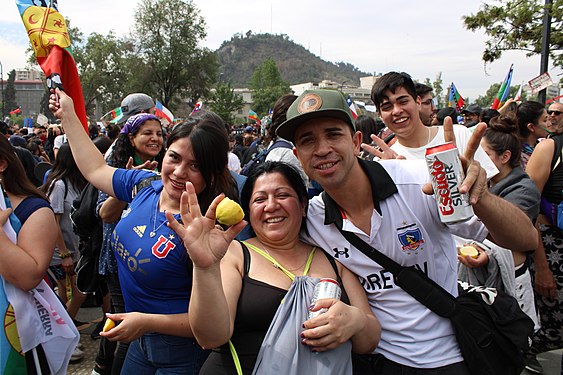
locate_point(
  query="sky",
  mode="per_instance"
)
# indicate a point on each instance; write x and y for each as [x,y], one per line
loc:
[422,38]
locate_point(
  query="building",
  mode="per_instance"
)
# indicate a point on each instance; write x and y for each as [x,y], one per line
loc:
[30,88]
[29,75]
[28,95]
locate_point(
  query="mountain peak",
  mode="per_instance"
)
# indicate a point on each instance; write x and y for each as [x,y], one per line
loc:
[243,53]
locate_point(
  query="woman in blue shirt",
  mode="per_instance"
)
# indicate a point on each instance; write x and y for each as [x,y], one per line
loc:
[153,267]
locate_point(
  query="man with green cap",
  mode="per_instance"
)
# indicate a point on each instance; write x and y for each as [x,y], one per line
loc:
[383,203]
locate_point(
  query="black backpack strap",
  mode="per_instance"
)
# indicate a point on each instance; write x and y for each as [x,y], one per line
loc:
[143,184]
[410,279]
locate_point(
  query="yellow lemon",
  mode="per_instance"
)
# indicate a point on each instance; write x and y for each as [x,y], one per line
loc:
[469,251]
[229,212]
[109,324]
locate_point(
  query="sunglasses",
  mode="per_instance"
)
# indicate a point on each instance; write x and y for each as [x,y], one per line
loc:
[556,113]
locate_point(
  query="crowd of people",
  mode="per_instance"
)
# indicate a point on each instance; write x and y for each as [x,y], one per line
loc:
[191,296]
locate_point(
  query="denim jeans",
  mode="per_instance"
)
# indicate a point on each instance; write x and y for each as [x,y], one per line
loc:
[158,354]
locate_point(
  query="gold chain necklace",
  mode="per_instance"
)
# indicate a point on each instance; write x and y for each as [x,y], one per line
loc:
[276,266]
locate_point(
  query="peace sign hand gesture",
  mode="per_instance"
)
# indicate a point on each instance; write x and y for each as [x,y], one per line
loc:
[380,149]
[205,242]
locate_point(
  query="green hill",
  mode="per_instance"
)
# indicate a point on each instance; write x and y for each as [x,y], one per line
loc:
[240,56]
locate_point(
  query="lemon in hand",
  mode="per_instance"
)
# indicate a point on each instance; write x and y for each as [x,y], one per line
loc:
[229,212]
[469,251]
[109,324]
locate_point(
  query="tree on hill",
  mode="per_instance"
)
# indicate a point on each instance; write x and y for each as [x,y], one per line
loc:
[241,55]
[487,100]
[267,85]
[517,25]
[169,46]
[10,94]
[224,101]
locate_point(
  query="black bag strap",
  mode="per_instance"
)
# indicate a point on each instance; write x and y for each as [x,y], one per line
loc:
[411,280]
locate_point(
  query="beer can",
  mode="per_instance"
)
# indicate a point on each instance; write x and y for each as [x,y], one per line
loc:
[447,175]
[325,288]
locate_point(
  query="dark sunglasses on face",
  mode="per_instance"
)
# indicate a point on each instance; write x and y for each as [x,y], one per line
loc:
[555,113]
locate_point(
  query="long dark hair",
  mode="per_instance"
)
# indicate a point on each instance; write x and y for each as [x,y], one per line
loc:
[15,180]
[64,168]
[210,145]
[123,150]
[528,113]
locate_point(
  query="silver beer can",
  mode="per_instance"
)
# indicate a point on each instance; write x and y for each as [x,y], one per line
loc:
[447,175]
[325,288]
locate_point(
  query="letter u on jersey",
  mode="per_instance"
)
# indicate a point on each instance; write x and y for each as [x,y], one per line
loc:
[162,247]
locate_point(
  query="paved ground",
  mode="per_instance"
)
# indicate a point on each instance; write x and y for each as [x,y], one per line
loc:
[550,361]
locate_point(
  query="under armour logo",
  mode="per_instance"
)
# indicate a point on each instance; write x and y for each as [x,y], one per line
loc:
[338,253]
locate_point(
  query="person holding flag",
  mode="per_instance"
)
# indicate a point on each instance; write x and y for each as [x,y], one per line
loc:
[503,90]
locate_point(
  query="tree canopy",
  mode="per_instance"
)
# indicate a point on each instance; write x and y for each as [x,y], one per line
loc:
[168,44]
[268,86]
[224,101]
[517,25]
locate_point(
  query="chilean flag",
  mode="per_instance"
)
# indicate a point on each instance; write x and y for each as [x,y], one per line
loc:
[163,112]
[350,103]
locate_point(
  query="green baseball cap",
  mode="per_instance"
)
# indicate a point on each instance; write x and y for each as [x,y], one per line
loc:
[314,104]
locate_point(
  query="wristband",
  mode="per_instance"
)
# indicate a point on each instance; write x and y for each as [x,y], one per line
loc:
[65,255]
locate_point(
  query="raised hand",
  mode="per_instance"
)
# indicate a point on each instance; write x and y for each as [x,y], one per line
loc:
[475,182]
[149,164]
[61,104]
[381,149]
[205,242]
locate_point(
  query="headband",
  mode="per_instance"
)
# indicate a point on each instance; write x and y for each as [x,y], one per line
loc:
[134,122]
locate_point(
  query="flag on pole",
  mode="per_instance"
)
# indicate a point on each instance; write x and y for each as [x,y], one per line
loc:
[163,112]
[503,90]
[455,98]
[198,107]
[518,95]
[16,111]
[50,41]
[253,116]
[350,103]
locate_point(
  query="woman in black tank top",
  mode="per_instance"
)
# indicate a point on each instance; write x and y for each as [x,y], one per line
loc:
[545,168]
[238,286]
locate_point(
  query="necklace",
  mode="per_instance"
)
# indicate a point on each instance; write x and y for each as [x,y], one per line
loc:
[154,227]
[276,266]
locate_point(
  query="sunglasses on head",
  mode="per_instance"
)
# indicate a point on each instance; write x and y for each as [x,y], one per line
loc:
[556,113]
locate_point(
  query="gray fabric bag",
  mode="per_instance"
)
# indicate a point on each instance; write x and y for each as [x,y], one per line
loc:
[282,351]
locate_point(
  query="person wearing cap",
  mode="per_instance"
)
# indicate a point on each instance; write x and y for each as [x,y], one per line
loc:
[471,115]
[381,202]
[131,105]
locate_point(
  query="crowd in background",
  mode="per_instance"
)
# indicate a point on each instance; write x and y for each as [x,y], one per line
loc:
[523,141]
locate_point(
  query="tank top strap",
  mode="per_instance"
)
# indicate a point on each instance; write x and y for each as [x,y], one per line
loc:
[277,264]
[246,259]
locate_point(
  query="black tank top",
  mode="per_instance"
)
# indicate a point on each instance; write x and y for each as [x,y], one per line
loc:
[256,307]
[554,185]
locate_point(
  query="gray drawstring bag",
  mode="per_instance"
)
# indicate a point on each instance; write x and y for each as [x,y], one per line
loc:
[282,351]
